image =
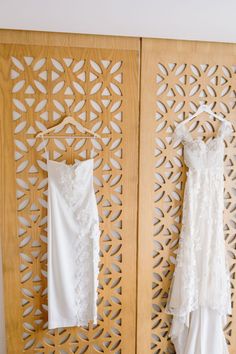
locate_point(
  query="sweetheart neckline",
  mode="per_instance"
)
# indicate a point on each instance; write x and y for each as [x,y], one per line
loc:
[208,145]
[216,138]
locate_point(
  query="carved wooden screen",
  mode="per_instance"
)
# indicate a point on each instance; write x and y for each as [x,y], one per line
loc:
[95,79]
[176,77]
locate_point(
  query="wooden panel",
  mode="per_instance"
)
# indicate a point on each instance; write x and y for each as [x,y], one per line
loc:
[65,40]
[176,77]
[99,86]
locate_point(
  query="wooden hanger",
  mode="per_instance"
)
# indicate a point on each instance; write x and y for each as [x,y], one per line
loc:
[72,121]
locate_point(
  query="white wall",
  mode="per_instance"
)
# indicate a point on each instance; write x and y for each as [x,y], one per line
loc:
[211,20]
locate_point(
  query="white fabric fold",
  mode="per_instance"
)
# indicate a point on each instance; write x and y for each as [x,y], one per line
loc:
[203,334]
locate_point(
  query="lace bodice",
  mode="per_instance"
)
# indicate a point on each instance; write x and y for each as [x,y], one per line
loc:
[200,154]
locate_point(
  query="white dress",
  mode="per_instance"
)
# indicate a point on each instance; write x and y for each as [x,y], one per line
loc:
[199,296]
[73,244]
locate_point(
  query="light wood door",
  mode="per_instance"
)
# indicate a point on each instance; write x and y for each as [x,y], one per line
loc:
[176,76]
[44,77]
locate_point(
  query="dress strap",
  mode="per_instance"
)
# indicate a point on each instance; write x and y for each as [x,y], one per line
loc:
[225,129]
[45,147]
[92,152]
[181,134]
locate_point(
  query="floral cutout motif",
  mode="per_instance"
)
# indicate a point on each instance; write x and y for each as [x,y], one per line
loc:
[63,72]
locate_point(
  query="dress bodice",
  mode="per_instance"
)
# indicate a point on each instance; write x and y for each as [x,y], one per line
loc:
[200,154]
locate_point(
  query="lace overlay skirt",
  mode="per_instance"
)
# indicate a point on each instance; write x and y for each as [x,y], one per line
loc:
[201,276]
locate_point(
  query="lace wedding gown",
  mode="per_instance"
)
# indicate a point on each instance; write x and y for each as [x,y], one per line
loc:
[199,296]
[73,244]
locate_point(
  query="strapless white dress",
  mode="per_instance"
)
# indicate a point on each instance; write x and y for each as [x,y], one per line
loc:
[73,244]
[199,296]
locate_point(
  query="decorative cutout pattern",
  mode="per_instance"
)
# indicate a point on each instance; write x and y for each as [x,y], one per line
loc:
[180,88]
[45,88]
